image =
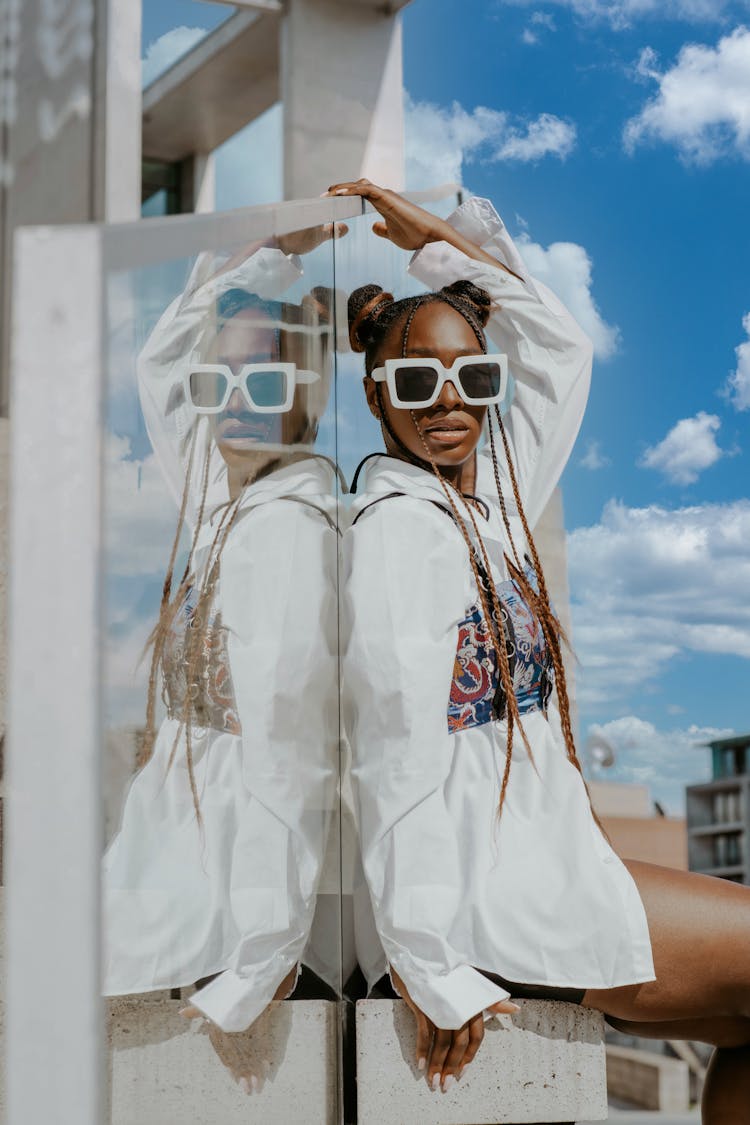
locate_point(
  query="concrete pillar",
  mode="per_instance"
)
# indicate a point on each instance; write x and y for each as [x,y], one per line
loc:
[198,187]
[70,121]
[342,87]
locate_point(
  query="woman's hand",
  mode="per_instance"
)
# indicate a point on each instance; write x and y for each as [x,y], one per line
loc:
[406,225]
[304,241]
[411,227]
[243,1053]
[445,1054]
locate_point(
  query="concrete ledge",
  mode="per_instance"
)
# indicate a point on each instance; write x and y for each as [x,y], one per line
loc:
[164,1069]
[649,1080]
[545,1063]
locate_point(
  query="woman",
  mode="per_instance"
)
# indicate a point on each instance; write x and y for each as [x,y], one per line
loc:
[489,872]
[214,871]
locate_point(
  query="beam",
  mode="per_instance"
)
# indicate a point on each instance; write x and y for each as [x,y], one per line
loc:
[230,78]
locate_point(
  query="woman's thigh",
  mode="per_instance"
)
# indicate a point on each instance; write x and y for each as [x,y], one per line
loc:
[700,937]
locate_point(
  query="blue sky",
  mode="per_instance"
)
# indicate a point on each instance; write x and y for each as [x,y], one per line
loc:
[614,138]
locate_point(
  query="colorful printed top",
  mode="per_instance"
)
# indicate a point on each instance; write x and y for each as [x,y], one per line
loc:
[476,695]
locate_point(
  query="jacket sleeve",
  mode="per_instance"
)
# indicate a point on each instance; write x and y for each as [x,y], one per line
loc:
[549,355]
[278,601]
[404,596]
[171,345]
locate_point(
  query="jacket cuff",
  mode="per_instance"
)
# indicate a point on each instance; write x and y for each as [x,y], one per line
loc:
[449,999]
[477,220]
[233,1002]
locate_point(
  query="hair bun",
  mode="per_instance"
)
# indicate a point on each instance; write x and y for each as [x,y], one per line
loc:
[470,295]
[364,307]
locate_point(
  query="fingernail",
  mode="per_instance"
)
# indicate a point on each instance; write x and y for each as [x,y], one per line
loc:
[435,1081]
[244,1085]
[255,1084]
[340,191]
[421,1064]
[461,1073]
[448,1083]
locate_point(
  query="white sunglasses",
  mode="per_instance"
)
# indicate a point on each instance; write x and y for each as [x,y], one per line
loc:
[416,382]
[267,388]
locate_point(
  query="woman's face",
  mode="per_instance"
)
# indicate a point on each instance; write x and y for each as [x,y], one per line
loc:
[450,428]
[248,337]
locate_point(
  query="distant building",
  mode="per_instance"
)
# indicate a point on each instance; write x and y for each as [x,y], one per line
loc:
[637,827]
[718,813]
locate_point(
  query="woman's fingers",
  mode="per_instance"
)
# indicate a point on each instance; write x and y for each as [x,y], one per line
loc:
[476,1035]
[504,1007]
[441,1046]
[361,187]
[425,1032]
[454,1059]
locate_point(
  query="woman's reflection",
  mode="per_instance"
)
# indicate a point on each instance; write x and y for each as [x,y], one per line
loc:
[214,871]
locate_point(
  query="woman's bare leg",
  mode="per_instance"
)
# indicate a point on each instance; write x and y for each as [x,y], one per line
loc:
[700,936]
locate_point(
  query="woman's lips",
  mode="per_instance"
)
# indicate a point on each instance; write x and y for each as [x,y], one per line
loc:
[447,432]
[236,429]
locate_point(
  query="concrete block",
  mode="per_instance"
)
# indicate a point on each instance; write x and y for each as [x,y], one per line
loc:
[545,1063]
[164,1069]
[648,1080]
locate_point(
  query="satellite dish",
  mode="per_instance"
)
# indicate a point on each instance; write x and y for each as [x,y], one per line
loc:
[600,751]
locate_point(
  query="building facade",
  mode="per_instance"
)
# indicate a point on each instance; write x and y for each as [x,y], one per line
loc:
[718,813]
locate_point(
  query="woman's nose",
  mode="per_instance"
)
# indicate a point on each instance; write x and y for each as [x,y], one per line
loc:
[449,396]
[236,402]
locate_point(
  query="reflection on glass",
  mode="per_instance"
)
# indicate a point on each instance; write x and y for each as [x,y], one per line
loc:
[213,875]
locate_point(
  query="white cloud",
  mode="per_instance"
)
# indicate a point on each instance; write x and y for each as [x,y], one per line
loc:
[567,269]
[140,517]
[664,760]
[167,49]
[593,458]
[441,139]
[651,584]
[547,135]
[530,34]
[543,19]
[702,106]
[688,449]
[622,13]
[737,386]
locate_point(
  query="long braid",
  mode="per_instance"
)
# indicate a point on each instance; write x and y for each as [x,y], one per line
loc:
[494,612]
[197,650]
[553,631]
[158,634]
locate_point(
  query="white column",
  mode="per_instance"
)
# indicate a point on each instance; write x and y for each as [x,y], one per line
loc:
[53,1031]
[342,87]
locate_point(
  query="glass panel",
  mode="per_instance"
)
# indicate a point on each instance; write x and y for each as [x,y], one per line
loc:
[221,878]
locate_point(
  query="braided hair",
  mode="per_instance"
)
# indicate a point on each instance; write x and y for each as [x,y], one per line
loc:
[304,337]
[373,314]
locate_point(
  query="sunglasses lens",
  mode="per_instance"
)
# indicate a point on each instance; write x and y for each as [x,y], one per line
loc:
[415,384]
[267,388]
[481,380]
[207,389]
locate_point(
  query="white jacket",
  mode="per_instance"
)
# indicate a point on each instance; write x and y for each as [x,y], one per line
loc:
[538,897]
[236,897]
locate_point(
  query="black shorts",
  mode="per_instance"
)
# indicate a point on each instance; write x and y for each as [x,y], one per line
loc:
[383,989]
[520,991]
